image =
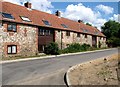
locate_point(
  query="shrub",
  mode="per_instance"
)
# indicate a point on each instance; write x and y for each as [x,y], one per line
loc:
[85,47]
[76,48]
[52,49]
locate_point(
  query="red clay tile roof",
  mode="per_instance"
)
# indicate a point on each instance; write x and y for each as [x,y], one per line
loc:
[37,16]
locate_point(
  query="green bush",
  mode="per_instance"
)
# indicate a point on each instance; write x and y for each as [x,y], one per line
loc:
[76,48]
[52,49]
[85,47]
[113,42]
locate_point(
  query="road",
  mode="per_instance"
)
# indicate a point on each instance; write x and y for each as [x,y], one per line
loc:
[45,71]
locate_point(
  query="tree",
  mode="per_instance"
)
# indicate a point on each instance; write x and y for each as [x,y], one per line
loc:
[112,31]
[95,26]
[89,24]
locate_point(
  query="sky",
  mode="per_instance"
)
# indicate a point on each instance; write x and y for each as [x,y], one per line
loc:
[93,12]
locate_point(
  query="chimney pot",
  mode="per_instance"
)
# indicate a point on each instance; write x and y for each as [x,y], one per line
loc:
[28,5]
[57,13]
[80,21]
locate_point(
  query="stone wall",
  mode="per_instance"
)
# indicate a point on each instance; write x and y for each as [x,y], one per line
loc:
[25,38]
[62,39]
[67,40]
[58,38]
[1,41]
[101,42]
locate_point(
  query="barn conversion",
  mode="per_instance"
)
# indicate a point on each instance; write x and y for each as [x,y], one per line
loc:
[25,31]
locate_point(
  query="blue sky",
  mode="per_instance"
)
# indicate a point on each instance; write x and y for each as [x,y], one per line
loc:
[98,12]
[63,5]
[95,13]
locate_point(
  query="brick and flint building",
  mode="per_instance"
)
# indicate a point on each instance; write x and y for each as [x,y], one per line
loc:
[25,31]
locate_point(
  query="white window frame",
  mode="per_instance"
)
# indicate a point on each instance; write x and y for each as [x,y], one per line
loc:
[12,49]
[25,19]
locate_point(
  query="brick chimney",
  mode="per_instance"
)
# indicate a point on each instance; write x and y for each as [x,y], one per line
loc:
[28,5]
[80,21]
[57,13]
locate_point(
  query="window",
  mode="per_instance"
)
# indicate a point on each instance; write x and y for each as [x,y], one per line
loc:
[44,32]
[6,15]
[96,33]
[82,29]
[25,19]
[12,27]
[41,32]
[104,38]
[41,48]
[46,22]
[67,45]
[85,30]
[11,49]
[78,34]
[85,35]
[64,26]
[48,32]
[1,24]
[67,33]
[61,35]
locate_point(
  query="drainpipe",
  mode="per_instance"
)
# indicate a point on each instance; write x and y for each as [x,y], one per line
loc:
[61,39]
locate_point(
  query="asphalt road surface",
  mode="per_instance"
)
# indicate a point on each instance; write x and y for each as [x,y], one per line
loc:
[45,71]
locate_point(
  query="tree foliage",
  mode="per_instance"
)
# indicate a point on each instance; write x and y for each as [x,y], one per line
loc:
[89,24]
[112,31]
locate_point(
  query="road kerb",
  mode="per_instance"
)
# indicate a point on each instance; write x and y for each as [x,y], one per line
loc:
[78,65]
[52,56]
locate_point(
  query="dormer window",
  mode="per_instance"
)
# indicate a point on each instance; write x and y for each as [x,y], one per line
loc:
[25,19]
[46,22]
[96,33]
[7,15]
[85,31]
[64,26]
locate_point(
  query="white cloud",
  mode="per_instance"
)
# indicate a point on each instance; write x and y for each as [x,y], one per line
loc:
[115,17]
[79,11]
[99,22]
[42,5]
[13,1]
[105,9]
